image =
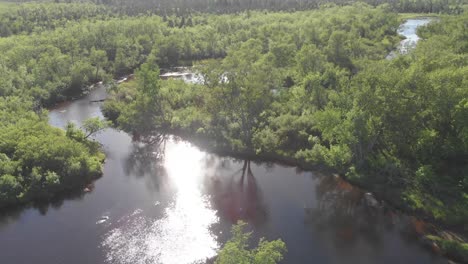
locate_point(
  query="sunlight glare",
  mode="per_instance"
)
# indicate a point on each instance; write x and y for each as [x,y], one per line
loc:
[183,234]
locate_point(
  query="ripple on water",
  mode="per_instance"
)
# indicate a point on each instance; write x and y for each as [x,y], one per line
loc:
[182,235]
[176,238]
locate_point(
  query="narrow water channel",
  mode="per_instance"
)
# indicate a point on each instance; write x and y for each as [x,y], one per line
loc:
[409,30]
[173,203]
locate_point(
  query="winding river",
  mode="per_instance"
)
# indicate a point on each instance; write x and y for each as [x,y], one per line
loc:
[172,203]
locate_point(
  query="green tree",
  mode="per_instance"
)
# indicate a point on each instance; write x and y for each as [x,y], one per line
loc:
[236,250]
[94,125]
[98,58]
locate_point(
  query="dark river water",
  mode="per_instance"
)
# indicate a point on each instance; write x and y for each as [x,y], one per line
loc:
[173,203]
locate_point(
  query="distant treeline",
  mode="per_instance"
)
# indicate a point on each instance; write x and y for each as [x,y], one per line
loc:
[28,17]
[35,17]
[133,7]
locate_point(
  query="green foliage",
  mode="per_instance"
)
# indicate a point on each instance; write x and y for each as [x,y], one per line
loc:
[177,13]
[59,63]
[37,161]
[36,17]
[236,250]
[94,125]
[454,249]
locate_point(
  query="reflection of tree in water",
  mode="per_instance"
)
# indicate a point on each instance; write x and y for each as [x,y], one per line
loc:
[350,215]
[238,196]
[146,160]
[10,215]
[341,209]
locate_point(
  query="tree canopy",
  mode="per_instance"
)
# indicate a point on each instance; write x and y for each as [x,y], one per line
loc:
[236,250]
[37,161]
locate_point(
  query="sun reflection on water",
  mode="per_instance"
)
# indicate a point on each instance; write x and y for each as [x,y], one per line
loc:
[183,234]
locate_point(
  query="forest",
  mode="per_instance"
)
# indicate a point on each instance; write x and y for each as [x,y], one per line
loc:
[187,7]
[302,82]
[328,97]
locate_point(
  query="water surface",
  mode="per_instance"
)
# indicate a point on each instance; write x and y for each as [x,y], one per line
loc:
[409,31]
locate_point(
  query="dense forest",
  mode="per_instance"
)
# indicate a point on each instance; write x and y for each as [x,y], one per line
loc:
[311,85]
[35,17]
[184,7]
[53,65]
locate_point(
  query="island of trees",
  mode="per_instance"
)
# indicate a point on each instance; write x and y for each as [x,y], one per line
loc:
[39,162]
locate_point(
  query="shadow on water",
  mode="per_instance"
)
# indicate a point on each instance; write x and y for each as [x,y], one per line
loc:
[11,214]
[238,196]
[146,161]
[353,216]
[341,209]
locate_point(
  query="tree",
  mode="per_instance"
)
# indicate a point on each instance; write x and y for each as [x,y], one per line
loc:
[98,59]
[309,59]
[94,125]
[236,251]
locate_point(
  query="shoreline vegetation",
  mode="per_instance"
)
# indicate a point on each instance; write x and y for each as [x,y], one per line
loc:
[383,125]
[40,163]
[437,236]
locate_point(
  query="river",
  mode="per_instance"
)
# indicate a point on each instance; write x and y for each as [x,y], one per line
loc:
[173,203]
[409,29]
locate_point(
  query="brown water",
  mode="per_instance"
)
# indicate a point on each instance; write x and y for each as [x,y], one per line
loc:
[173,203]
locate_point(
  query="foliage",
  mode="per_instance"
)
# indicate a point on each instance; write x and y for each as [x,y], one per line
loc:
[454,249]
[55,65]
[36,17]
[312,86]
[183,8]
[37,161]
[94,125]
[236,250]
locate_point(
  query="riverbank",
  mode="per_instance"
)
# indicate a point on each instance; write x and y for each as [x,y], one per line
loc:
[327,115]
[388,198]
[146,190]
[357,135]
[40,163]
[434,235]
